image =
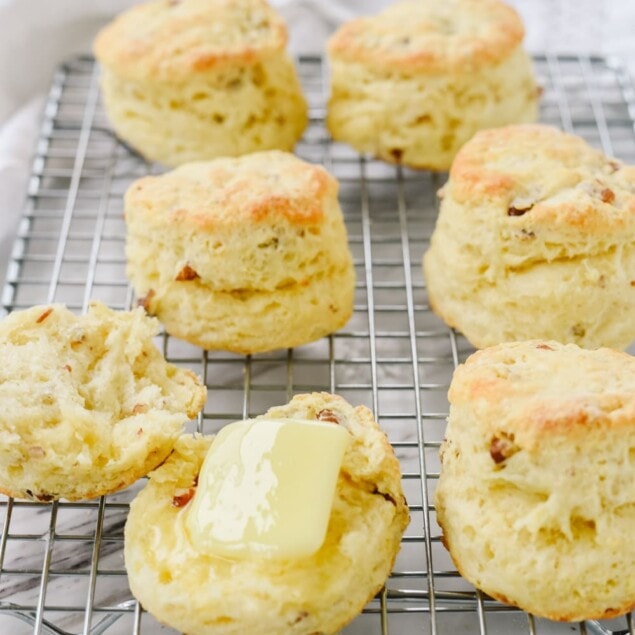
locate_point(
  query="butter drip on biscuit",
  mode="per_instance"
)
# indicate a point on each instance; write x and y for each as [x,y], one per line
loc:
[266,488]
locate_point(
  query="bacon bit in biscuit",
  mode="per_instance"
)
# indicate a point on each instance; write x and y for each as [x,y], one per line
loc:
[272,242]
[385,496]
[44,316]
[302,615]
[43,498]
[327,415]
[139,408]
[544,347]
[182,497]
[578,330]
[607,195]
[539,92]
[515,211]
[501,448]
[139,432]
[145,301]
[36,452]
[68,367]
[187,273]
[78,341]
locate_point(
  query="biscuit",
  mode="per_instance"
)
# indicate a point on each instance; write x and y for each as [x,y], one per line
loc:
[535,239]
[89,405]
[200,594]
[188,80]
[412,84]
[536,496]
[244,255]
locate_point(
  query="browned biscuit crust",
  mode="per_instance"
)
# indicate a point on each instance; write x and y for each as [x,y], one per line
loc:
[453,36]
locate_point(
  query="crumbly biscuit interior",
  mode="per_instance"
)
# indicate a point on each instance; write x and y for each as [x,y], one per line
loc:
[85,393]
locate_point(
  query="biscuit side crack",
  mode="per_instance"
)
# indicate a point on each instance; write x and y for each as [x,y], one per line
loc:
[525,266]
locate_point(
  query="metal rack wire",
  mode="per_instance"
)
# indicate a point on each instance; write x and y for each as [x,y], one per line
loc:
[61,565]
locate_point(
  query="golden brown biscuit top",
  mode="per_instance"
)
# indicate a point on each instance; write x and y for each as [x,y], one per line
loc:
[538,177]
[170,39]
[437,36]
[263,187]
[536,389]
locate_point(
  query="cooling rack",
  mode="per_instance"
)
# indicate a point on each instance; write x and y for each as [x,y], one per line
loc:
[61,564]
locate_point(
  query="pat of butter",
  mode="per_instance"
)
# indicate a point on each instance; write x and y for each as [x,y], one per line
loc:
[266,488]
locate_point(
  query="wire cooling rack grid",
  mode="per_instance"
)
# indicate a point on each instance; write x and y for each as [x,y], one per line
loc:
[61,565]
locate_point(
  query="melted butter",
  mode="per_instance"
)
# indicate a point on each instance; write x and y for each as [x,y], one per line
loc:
[166,545]
[266,488]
